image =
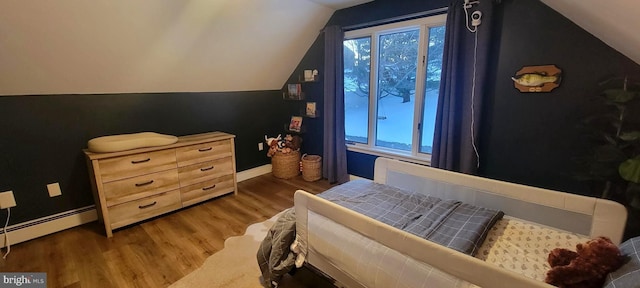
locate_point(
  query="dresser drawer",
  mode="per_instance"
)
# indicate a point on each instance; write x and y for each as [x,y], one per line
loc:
[117,192]
[193,154]
[138,210]
[205,171]
[138,164]
[206,190]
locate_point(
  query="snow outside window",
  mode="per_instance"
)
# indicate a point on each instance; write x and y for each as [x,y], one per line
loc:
[391,85]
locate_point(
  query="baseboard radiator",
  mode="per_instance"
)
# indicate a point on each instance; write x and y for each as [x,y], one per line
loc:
[25,231]
[46,225]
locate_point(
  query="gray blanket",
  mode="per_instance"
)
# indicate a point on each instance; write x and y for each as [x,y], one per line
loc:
[450,223]
[274,256]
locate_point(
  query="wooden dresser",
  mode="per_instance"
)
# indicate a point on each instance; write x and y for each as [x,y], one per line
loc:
[134,185]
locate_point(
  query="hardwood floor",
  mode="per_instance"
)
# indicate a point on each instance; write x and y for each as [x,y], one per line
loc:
[159,251]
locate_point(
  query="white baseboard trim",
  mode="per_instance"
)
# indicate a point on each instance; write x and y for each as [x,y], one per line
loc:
[46,225]
[253,172]
[25,231]
[354,177]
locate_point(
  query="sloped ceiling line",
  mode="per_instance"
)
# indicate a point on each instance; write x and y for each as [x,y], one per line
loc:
[200,45]
[615,22]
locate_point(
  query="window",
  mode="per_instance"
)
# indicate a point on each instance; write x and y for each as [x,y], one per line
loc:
[391,82]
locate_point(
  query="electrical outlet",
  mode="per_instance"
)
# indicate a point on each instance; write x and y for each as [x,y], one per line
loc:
[54,189]
[260,146]
[7,200]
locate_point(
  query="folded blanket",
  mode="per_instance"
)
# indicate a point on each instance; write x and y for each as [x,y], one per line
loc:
[450,223]
[274,256]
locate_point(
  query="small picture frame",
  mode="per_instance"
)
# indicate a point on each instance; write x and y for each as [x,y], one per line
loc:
[294,91]
[296,124]
[308,75]
[310,110]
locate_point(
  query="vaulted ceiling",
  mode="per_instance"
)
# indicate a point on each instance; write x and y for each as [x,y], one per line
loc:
[122,46]
[340,4]
[613,21]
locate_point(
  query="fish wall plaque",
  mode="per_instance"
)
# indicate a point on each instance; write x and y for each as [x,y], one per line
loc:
[537,78]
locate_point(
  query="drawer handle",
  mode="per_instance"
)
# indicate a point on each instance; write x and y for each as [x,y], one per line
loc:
[206,169]
[205,149]
[143,184]
[148,205]
[140,161]
[209,188]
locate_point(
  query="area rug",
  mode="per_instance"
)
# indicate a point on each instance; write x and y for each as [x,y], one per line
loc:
[235,266]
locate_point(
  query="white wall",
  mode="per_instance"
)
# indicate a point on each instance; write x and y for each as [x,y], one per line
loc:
[615,22]
[120,46]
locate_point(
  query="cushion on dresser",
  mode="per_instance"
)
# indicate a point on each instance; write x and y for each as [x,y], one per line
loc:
[115,143]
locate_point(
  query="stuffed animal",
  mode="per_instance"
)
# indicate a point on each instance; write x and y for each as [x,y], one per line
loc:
[272,141]
[284,145]
[293,142]
[273,144]
[586,267]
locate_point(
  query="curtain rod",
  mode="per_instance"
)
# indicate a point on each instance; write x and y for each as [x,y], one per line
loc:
[395,19]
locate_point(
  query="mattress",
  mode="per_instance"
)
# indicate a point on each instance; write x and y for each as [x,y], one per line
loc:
[523,247]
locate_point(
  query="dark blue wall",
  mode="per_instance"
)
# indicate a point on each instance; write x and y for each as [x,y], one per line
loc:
[528,138]
[383,9]
[42,137]
[533,138]
[312,127]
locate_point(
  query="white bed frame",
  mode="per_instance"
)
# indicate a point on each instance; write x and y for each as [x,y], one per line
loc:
[574,213]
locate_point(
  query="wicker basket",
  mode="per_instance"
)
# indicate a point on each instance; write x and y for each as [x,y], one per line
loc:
[286,165]
[311,167]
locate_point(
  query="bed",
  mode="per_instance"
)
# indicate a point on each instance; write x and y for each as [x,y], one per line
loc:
[357,251]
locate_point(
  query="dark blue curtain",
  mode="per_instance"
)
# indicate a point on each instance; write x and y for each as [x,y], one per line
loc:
[334,160]
[461,94]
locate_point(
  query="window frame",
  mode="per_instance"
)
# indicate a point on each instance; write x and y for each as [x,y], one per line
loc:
[374,33]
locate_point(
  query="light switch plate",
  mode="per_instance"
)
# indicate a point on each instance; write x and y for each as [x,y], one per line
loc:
[7,200]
